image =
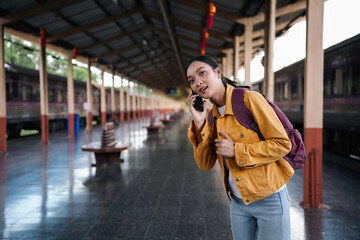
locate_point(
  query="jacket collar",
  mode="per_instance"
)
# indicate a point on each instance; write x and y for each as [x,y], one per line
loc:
[228,105]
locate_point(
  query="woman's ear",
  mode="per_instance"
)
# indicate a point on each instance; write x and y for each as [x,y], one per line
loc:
[218,71]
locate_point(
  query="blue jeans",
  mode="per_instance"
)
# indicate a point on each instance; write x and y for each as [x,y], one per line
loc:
[268,218]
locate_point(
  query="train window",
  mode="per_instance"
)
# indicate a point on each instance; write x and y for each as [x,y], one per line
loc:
[15,90]
[96,97]
[51,95]
[82,96]
[294,88]
[355,86]
[36,94]
[79,97]
[338,82]
[285,90]
[26,93]
[65,96]
[347,80]
[58,96]
[278,90]
[327,82]
[7,91]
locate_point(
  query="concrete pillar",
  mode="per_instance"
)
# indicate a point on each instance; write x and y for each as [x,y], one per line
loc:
[137,111]
[146,106]
[133,100]
[112,92]
[3,142]
[143,106]
[139,107]
[121,96]
[89,96]
[70,99]
[236,55]
[44,101]
[128,105]
[247,52]
[313,105]
[103,100]
[151,105]
[228,66]
[268,83]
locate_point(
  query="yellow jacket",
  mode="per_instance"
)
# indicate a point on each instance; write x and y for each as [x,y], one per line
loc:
[258,168]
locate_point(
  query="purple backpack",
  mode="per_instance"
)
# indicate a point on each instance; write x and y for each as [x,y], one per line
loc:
[297,156]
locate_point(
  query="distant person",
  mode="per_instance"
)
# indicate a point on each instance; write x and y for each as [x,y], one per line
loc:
[254,172]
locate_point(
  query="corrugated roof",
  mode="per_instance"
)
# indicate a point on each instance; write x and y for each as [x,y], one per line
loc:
[132,35]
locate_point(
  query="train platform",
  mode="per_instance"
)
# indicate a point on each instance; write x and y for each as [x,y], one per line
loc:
[157,192]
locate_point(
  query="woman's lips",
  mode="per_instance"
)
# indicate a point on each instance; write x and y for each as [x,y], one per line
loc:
[202,90]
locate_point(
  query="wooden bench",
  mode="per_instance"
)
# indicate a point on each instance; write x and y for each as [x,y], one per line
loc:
[105,154]
[153,128]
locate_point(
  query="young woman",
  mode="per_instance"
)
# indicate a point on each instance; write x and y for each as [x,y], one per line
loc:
[254,173]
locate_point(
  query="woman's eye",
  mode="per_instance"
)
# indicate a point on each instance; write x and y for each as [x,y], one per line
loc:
[191,81]
[202,73]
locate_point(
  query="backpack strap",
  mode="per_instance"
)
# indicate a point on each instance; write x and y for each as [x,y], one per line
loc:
[242,113]
[210,118]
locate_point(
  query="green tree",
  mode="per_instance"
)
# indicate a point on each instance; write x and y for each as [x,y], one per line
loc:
[18,52]
[27,54]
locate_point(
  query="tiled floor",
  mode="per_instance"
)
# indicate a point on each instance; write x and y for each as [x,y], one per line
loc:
[52,192]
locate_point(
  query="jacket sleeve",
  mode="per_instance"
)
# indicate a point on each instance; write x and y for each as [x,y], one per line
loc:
[204,152]
[276,144]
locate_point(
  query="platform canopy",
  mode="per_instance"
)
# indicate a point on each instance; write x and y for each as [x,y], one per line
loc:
[147,40]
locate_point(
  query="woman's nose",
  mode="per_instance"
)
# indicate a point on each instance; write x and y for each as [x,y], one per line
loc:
[198,82]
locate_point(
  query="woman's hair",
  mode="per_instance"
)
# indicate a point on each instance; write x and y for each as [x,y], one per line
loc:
[214,64]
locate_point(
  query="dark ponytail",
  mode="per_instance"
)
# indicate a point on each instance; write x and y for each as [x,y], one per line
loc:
[214,64]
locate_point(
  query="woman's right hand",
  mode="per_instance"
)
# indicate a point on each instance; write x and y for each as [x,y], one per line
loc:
[199,117]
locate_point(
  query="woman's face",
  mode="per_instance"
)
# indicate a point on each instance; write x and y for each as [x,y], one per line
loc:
[203,79]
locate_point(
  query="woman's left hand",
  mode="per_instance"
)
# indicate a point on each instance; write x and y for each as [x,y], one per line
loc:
[225,147]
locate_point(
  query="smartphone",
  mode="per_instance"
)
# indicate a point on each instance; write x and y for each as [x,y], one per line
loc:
[198,103]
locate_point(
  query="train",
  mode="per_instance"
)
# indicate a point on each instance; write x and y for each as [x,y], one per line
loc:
[23,101]
[341,114]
